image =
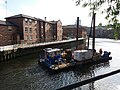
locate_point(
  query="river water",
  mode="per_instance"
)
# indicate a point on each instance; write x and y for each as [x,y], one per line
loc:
[24,73]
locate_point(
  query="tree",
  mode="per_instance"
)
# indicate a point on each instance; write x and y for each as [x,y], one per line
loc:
[100,25]
[112,11]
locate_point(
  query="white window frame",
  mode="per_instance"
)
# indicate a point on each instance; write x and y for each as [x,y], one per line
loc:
[26,29]
[31,37]
[26,20]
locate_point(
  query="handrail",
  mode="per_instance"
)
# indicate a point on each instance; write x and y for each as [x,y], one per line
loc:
[75,85]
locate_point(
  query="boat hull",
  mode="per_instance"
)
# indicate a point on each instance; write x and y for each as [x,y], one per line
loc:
[56,67]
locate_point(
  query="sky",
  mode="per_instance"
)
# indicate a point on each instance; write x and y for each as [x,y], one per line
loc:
[64,10]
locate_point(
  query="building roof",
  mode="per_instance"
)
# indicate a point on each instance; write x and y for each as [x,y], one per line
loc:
[50,22]
[43,20]
[72,26]
[30,17]
[21,16]
[6,23]
[53,22]
[40,19]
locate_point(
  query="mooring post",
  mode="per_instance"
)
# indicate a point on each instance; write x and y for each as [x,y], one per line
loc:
[93,46]
[77,33]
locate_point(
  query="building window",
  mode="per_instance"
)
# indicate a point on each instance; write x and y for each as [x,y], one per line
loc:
[30,30]
[35,22]
[27,37]
[30,37]
[41,26]
[30,21]
[9,28]
[26,29]
[36,29]
[26,20]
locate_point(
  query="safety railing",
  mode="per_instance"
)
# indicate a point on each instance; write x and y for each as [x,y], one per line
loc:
[75,85]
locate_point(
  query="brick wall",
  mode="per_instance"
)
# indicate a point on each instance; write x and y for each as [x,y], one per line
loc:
[41,31]
[59,30]
[32,33]
[99,33]
[8,35]
[48,32]
[103,33]
[71,32]
[34,30]
[19,23]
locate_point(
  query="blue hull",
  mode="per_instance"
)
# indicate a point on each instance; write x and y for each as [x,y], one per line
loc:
[75,63]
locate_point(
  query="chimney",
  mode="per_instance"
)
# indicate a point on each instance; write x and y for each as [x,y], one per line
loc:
[45,18]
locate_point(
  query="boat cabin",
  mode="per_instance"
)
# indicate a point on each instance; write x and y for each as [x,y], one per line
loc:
[53,52]
[53,55]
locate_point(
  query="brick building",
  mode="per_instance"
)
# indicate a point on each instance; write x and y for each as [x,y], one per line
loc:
[35,30]
[69,31]
[27,27]
[8,33]
[57,30]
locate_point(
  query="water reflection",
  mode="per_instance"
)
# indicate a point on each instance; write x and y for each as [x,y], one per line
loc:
[87,72]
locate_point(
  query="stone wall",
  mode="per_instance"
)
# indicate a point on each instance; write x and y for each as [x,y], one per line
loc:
[71,31]
[104,33]
[19,52]
[101,33]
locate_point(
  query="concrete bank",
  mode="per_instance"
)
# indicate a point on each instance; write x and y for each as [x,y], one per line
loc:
[14,51]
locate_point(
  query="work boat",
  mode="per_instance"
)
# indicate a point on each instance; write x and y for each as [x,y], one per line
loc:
[56,59]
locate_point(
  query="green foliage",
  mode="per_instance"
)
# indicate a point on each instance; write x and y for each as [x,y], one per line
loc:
[116,34]
[112,11]
[100,25]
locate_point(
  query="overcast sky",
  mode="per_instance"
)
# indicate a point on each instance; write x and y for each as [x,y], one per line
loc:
[64,10]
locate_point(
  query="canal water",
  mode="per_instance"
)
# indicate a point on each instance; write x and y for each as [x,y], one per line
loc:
[24,73]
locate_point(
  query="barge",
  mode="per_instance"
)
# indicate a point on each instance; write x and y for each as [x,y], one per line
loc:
[56,59]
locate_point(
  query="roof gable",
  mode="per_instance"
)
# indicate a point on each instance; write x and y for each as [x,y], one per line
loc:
[21,16]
